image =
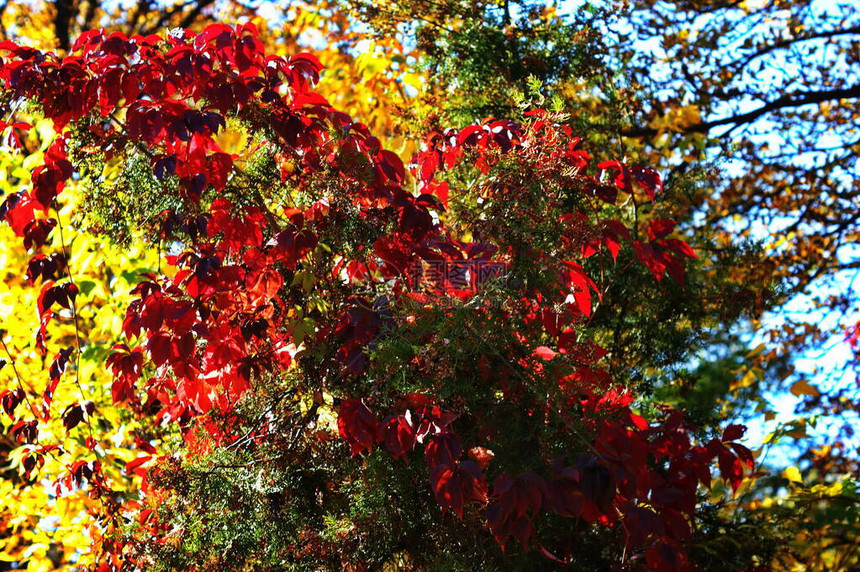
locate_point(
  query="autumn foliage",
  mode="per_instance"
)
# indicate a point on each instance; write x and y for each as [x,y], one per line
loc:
[365,364]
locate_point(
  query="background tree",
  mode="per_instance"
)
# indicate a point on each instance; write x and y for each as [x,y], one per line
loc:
[771,89]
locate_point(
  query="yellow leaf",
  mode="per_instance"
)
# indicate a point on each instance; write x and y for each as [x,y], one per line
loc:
[793,474]
[802,387]
[756,351]
[832,490]
[413,80]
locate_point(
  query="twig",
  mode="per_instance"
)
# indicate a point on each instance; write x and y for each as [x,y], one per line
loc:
[18,377]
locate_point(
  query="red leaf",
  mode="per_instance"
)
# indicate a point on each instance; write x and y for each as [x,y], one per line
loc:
[544,353]
[679,247]
[144,446]
[652,259]
[58,366]
[613,246]
[744,454]
[37,231]
[441,190]
[733,433]
[19,210]
[429,162]
[621,179]
[391,165]
[581,286]
[639,422]
[445,482]
[731,469]
[77,412]
[264,285]
[308,65]
[453,484]
[660,228]
[133,466]
[523,529]
[10,399]
[649,180]
[126,366]
[218,168]
[25,431]
[550,556]
[45,267]
[357,425]
[158,347]
[442,449]
[46,298]
[400,434]
[482,456]
[49,179]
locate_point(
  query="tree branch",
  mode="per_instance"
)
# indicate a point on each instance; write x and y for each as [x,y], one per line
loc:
[62,22]
[787,101]
[791,41]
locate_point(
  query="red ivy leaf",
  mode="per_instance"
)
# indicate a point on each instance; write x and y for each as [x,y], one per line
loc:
[58,366]
[218,168]
[126,366]
[744,454]
[649,180]
[544,353]
[19,210]
[77,412]
[400,434]
[158,347]
[733,433]
[308,65]
[357,425]
[453,484]
[10,399]
[731,469]
[25,431]
[660,228]
[621,177]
